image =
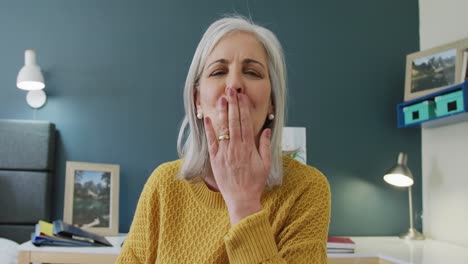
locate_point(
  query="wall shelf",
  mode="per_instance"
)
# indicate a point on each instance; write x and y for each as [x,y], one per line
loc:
[436,120]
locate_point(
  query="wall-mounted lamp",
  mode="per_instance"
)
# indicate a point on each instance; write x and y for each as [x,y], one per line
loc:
[401,176]
[30,78]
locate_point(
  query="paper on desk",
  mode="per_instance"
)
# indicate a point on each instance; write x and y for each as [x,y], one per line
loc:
[46,228]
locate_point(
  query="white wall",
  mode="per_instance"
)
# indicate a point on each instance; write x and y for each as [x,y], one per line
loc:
[444,149]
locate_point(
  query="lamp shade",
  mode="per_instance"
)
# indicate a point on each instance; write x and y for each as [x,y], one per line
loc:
[400,175]
[30,76]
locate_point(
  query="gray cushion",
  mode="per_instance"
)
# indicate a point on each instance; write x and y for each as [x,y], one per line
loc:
[17,233]
[27,150]
[25,196]
[26,145]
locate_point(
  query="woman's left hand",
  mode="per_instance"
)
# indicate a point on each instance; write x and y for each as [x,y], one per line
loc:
[239,168]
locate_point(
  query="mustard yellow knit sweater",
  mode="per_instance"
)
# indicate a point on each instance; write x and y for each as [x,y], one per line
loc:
[181,222]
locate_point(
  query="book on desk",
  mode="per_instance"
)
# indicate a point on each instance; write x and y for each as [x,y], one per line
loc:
[340,245]
[59,233]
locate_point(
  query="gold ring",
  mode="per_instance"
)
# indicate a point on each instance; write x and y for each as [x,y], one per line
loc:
[223,137]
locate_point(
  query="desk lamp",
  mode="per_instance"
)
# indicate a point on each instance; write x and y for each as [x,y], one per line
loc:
[30,78]
[401,176]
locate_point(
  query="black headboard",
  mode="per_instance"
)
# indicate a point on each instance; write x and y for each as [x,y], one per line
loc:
[27,151]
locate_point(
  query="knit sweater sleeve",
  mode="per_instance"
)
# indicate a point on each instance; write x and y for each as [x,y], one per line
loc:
[143,235]
[302,240]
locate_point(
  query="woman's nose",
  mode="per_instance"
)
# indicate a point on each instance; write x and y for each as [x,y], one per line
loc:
[235,82]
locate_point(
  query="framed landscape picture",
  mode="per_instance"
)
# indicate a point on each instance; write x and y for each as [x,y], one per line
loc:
[434,69]
[92,197]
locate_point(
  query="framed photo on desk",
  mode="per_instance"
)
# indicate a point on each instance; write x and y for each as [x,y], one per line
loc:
[92,197]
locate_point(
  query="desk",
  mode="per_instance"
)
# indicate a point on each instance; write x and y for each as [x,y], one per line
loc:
[369,250]
[383,250]
[28,253]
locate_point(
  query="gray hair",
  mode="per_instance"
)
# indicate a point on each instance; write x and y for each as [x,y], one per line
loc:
[194,150]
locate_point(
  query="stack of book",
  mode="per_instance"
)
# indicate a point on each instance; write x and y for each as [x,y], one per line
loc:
[59,233]
[340,245]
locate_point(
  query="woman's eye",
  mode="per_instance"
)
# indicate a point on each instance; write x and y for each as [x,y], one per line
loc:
[254,73]
[216,73]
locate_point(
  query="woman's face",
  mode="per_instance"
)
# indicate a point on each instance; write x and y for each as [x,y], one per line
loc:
[238,61]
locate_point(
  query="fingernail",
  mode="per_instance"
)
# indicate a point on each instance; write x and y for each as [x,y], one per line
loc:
[222,102]
[231,92]
[268,133]
[207,120]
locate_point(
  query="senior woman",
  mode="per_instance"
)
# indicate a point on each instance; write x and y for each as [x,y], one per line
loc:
[232,197]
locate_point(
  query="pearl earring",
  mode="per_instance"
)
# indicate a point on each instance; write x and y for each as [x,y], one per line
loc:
[271,116]
[199,115]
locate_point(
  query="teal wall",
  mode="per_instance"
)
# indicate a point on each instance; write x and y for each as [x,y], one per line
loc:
[115,71]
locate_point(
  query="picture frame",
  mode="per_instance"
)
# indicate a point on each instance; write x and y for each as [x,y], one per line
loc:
[294,143]
[435,69]
[92,197]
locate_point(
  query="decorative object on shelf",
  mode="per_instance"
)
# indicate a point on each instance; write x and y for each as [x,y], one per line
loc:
[419,112]
[401,176]
[30,78]
[92,197]
[451,105]
[294,143]
[435,69]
